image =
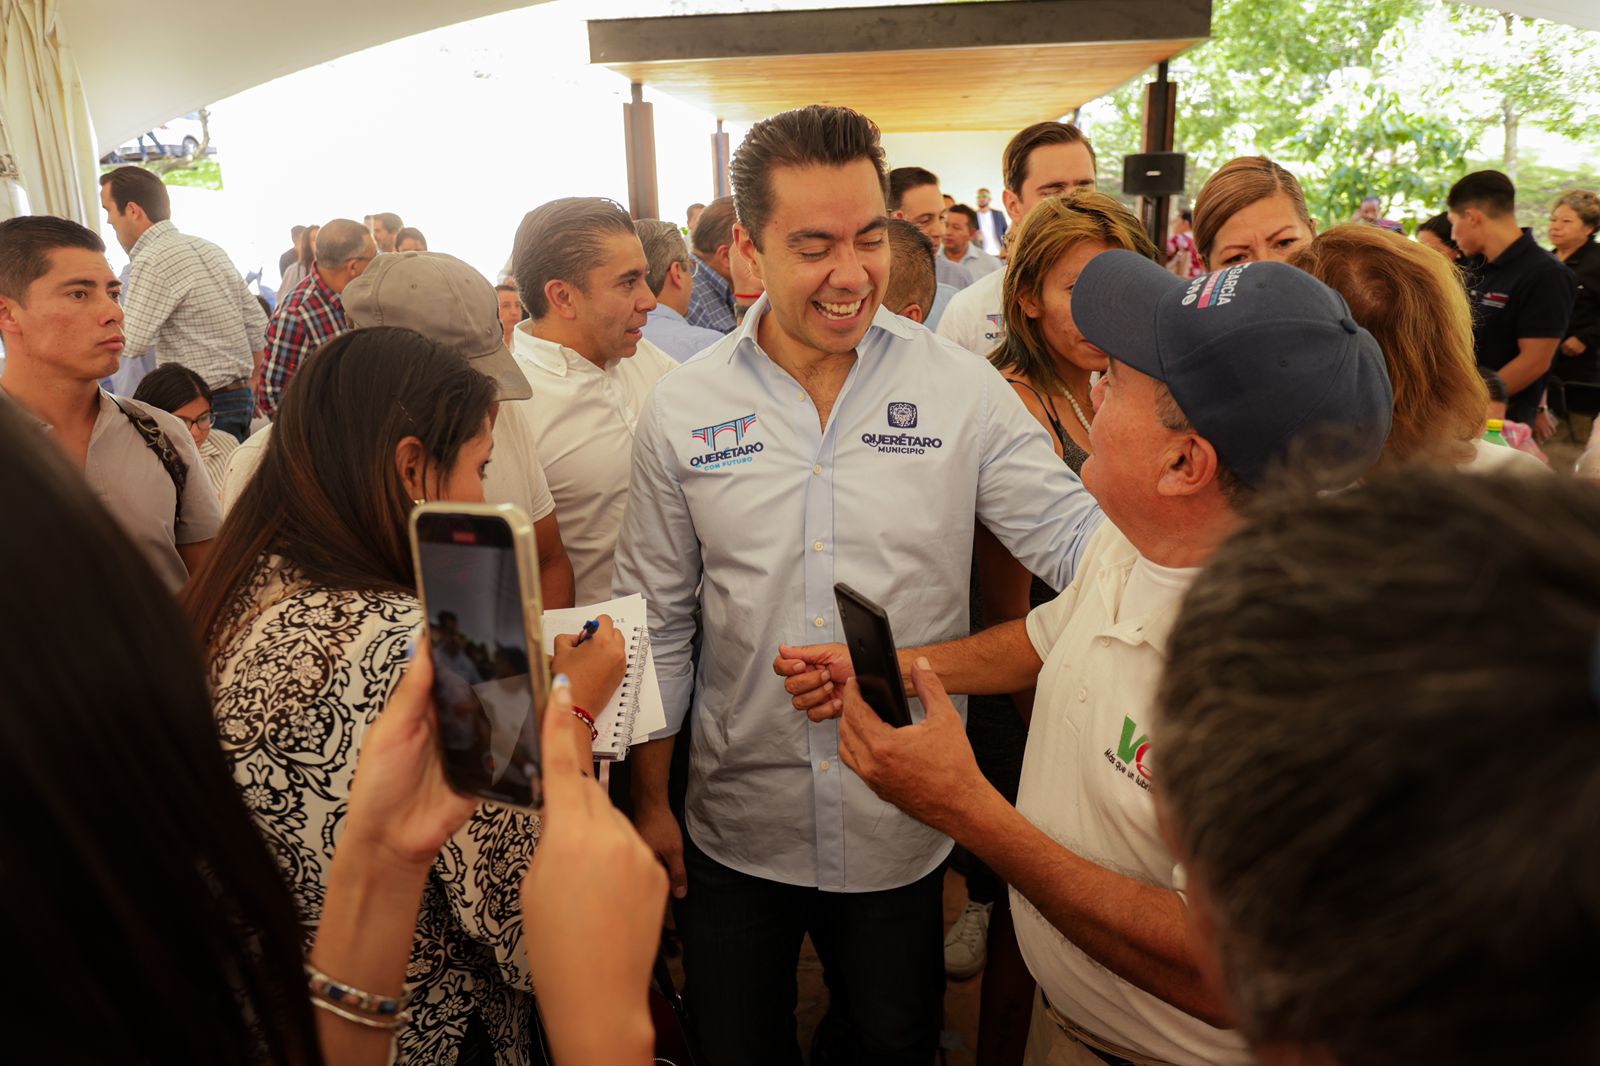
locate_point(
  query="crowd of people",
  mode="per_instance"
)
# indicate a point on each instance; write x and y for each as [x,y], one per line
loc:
[1255,672]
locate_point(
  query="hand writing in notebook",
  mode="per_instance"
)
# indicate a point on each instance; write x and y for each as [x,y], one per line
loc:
[596,667]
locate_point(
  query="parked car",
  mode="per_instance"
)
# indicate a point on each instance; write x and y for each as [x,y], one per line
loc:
[178,138]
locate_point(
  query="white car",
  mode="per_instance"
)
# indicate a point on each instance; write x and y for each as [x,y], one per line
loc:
[178,138]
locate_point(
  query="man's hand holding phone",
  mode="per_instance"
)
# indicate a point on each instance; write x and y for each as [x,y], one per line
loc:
[596,666]
[814,676]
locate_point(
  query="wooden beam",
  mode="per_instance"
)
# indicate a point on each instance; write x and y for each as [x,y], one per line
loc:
[638,123]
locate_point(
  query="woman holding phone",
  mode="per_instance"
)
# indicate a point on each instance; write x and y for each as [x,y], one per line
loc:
[307,609]
[154,923]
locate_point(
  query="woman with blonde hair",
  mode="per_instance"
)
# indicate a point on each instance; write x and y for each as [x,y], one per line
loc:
[1250,209]
[1411,300]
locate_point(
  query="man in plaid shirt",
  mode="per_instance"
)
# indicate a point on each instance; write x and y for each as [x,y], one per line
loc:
[313,313]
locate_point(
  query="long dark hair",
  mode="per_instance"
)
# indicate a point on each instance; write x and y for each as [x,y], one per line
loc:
[146,916]
[327,496]
[170,387]
[306,254]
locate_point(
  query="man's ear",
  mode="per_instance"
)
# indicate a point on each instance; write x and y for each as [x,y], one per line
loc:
[743,246]
[562,297]
[913,311]
[1013,205]
[1190,465]
[679,274]
[8,315]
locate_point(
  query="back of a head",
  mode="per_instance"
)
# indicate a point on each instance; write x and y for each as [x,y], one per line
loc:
[903,179]
[341,240]
[412,234]
[1488,191]
[1379,753]
[137,185]
[327,497]
[133,884]
[562,240]
[26,243]
[1055,226]
[913,278]
[814,136]
[1014,161]
[715,226]
[171,386]
[1412,302]
[390,220]
[1236,185]
[663,246]
[307,248]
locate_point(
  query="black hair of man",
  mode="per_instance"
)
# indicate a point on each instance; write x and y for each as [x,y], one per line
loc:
[136,185]
[1187,214]
[715,227]
[663,246]
[903,179]
[967,213]
[1488,191]
[814,136]
[913,277]
[561,240]
[1014,163]
[25,246]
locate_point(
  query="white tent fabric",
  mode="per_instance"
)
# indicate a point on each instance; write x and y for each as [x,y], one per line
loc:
[1584,14]
[44,114]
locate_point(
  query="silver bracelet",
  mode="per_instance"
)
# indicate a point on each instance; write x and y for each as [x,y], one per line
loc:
[384,1010]
[391,1024]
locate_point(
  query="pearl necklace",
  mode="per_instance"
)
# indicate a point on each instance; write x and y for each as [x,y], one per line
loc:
[1077,410]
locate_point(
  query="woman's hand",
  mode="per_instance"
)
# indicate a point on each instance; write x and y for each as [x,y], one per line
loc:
[596,667]
[592,905]
[400,803]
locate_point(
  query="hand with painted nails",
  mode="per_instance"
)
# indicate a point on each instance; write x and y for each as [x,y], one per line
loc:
[814,676]
[401,806]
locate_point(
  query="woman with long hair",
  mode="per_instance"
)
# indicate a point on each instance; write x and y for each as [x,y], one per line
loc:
[306,610]
[300,269]
[1411,300]
[181,392]
[1250,209]
[153,921]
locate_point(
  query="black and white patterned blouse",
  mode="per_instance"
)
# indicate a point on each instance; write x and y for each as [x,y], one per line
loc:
[300,672]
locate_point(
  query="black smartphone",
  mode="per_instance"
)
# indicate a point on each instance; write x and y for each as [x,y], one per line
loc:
[867,634]
[479,588]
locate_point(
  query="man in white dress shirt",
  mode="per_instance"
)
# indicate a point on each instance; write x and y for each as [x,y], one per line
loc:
[1046,159]
[583,277]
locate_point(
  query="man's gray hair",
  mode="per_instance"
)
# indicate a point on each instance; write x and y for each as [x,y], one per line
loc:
[340,241]
[663,245]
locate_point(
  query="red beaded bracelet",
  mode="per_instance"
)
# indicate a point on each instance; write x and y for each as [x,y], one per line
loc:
[587,719]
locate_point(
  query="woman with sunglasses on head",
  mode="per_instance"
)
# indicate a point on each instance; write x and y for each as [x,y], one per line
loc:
[181,392]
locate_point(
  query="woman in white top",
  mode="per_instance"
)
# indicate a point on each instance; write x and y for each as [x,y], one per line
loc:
[307,609]
[1412,301]
[180,391]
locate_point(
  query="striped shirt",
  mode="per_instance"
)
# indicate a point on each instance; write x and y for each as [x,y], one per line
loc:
[185,298]
[307,319]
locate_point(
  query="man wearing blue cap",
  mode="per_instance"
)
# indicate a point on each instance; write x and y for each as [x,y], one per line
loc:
[1214,383]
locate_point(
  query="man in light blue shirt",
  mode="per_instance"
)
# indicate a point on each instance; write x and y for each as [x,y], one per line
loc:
[825,440]
[671,280]
[961,243]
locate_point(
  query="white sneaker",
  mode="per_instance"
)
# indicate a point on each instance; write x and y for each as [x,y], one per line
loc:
[965,945]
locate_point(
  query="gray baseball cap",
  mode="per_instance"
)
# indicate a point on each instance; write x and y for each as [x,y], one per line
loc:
[1258,356]
[446,301]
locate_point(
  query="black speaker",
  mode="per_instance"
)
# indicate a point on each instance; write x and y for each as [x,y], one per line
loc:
[1153,174]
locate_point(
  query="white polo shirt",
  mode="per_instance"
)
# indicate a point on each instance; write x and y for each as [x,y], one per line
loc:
[1086,782]
[974,318]
[583,418]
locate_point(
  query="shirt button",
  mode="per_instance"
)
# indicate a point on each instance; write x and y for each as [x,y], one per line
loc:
[823,766]
[801,396]
[1105,642]
[817,545]
[818,622]
[817,469]
[1083,694]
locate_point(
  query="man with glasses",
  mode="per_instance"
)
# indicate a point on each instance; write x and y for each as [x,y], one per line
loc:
[313,314]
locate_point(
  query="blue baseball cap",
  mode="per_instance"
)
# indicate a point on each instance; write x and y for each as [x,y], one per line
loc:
[1258,356]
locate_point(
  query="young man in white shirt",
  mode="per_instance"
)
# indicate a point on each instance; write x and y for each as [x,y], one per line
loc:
[1212,385]
[583,277]
[1046,159]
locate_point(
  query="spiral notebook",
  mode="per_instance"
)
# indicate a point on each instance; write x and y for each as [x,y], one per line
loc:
[636,710]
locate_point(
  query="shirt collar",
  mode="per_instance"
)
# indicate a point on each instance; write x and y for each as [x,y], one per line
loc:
[1112,581]
[325,290]
[884,321]
[1516,249]
[151,235]
[549,356]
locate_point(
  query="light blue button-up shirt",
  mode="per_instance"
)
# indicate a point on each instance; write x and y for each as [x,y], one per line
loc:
[674,334]
[741,503]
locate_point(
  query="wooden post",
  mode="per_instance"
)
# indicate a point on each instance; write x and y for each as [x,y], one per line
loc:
[1160,118]
[638,123]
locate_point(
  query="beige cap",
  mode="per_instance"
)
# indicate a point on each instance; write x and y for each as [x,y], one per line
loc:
[446,301]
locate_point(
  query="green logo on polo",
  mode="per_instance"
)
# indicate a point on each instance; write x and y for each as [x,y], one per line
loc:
[1134,751]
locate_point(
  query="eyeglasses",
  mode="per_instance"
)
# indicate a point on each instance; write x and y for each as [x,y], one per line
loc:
[203,422]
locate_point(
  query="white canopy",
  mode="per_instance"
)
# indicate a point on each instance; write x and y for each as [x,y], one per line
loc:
[1584,14]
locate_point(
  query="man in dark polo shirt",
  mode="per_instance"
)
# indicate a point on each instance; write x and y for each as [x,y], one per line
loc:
[1522,298]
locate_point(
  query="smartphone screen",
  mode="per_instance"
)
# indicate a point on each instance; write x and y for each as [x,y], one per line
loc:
[488,692]
[871,644]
